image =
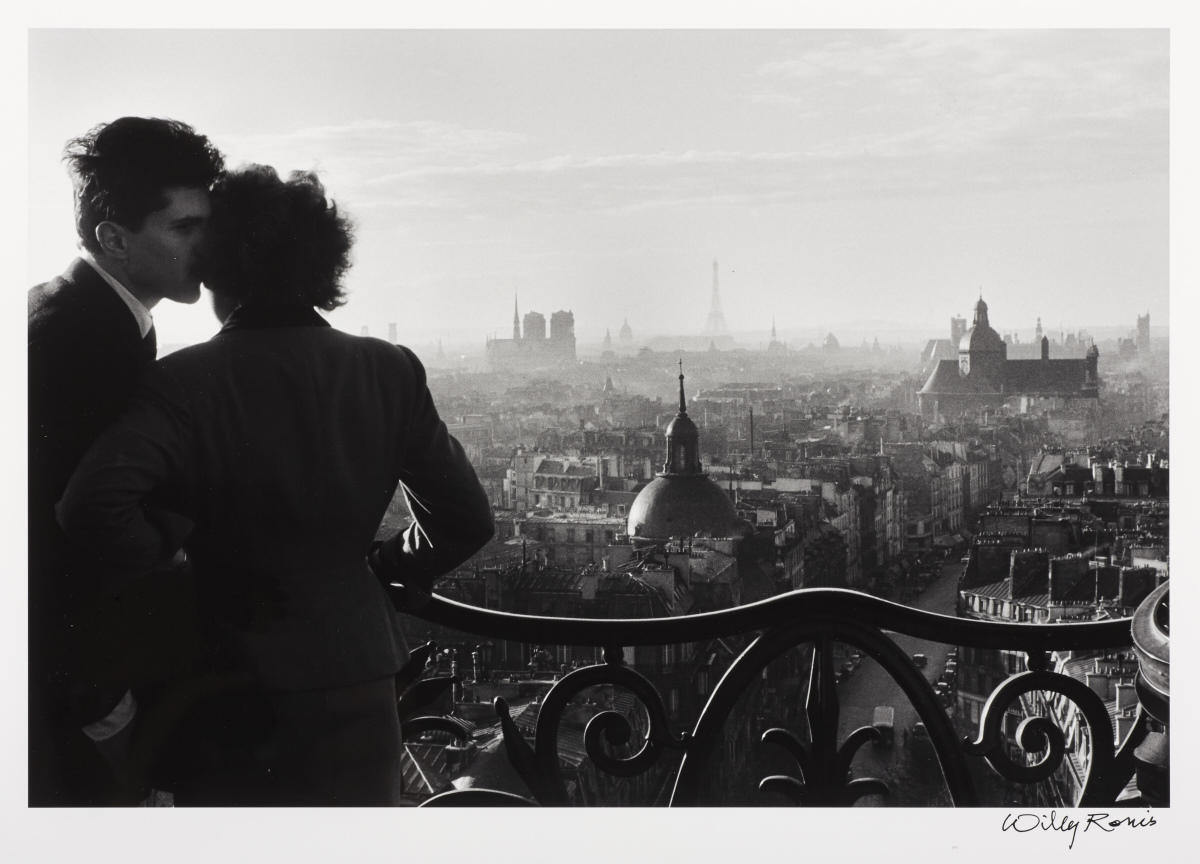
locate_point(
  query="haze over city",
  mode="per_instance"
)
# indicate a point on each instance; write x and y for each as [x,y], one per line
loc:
[871,181]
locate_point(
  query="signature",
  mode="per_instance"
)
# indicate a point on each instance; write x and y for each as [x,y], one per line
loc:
[1104,823]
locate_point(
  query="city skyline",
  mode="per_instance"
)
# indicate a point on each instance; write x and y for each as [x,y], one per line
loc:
[591,335]
[832,173]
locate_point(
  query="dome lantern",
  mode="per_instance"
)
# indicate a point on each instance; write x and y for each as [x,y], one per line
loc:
[683,501]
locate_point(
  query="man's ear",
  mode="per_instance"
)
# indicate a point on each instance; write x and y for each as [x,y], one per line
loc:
[111,238]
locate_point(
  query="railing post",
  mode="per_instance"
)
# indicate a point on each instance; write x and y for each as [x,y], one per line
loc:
[1152,644]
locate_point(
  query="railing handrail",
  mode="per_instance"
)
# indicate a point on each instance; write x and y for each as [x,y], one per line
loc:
[771,612]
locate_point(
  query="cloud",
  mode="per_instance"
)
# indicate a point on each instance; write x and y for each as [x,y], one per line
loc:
[868,113]
[969,92]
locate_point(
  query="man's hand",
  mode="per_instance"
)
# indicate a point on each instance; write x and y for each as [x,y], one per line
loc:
[409,598]
[113,736]
[406,596]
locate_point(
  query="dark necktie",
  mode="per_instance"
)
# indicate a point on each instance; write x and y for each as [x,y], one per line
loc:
[149,346]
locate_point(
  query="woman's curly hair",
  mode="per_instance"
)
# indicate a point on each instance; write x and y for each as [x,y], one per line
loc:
[277,241]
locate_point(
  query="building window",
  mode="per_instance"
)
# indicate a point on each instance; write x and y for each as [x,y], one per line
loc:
[589,536]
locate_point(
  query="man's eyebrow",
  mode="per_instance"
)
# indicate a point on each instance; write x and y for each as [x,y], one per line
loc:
[187,220]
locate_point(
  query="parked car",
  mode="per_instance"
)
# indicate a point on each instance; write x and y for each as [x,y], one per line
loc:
[918,736]
[921,660]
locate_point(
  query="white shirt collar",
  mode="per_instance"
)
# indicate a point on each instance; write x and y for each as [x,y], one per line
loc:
[140,313]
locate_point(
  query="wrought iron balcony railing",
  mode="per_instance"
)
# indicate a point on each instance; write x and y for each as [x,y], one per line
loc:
[819,758]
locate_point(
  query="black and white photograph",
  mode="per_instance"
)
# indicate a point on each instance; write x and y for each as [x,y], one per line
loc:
[623,419]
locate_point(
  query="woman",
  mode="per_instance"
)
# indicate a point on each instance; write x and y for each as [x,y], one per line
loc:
[283,441]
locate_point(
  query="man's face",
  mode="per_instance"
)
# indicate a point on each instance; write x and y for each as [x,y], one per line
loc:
[164,254]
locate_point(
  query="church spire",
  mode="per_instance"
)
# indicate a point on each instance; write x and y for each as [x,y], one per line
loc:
[682,402]
[516,320]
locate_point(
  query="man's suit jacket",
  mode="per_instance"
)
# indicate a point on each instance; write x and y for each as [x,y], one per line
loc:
[86,356]
[284,440]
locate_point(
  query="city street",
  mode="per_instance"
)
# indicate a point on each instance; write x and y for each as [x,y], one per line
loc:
[911,771]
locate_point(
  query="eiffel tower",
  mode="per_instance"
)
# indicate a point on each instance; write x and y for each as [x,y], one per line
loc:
[715,325]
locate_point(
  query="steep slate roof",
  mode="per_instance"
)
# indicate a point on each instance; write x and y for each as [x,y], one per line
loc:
[558,467]
[548,581]
[1039,600]
[1001,590]
[1021,378]
[1045,377]
[911,460]
[936,349]
[945,380]
[1046,462]
[424,769]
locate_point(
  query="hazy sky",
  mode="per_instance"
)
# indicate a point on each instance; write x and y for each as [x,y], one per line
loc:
[839,176]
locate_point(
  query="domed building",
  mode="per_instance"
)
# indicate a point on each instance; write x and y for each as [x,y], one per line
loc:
[682,501]
[983,379]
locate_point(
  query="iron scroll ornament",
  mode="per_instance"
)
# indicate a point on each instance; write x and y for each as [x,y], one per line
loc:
[1108,769]
[539,766]
[823,785]
[817,616]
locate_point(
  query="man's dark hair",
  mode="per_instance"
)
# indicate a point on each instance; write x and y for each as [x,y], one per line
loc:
[277,241]
[122,169]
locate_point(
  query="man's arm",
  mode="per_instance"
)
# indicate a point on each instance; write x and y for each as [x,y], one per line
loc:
[104,508]
[451,512]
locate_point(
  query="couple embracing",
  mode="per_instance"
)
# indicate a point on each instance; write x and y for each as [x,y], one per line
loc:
[209,613]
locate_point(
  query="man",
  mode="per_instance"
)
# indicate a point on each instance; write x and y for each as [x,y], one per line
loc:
[141,204]
[284,440]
